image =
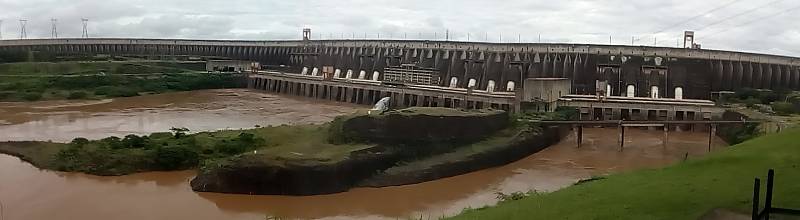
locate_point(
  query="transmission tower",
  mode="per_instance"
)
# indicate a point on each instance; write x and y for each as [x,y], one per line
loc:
[85,22]
[54,28]
[22,32]
[1,29]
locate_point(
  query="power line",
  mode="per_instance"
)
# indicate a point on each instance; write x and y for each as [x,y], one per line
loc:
[752,21]
[740,14]
[697,16]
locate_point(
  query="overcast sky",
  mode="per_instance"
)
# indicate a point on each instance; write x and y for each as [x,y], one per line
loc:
[765,26]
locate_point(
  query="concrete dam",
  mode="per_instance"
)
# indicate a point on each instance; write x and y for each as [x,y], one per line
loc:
[490,68]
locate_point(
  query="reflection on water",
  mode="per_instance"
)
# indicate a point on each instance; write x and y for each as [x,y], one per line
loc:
[61,121]
[29,193]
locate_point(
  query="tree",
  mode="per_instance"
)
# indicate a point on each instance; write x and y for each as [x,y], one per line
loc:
[179,132]
[79,142]
[133,141]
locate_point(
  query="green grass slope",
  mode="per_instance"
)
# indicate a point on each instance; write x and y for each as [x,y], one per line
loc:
[683,191]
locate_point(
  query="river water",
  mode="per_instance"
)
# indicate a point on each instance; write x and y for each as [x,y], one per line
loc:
[29,193]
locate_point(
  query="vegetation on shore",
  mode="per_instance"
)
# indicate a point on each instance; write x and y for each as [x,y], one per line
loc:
[180,151]
[780,102]
[683,191]
[97,80]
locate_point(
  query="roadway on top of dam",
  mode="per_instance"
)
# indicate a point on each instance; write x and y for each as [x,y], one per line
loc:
[424,44]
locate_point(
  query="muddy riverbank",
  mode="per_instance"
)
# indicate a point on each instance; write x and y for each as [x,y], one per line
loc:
[167,195]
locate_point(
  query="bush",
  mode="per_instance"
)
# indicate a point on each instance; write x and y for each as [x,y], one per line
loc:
[751,102]
[77,95]
[174,158]
[783,108]
[114,91]
[79,141]
[133,141]
[243,143]
[113,142]
[31,96]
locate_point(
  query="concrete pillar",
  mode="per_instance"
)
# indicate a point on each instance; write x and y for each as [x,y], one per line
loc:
[666,134]
[711,133]
[621,137]
[579,135]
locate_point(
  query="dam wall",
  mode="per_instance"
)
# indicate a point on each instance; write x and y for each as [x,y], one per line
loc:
[646,71]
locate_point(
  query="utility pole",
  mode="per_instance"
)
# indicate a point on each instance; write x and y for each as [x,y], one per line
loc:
[609,39]
[655,41]
[54,28]
[85,23]
[540,38]
[633,39]
[501,38]
[447,35]
[468,37]
[1,29]
[22,32]
[519,38]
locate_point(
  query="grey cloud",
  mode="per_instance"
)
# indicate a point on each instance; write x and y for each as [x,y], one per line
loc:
[574,21]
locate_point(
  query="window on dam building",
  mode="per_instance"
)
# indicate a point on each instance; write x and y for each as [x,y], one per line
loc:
[510,86]
[362,74]
[375,75]
[453,82]
[654,92]
[608,90]
[631,92]
[678,93]
[490,86]
[472,83]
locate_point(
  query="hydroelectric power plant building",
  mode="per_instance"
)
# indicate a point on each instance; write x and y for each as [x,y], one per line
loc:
[605,81]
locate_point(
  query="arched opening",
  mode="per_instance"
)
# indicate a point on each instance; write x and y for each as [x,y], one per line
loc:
[654,92]
[453,82]
[608,90]
[304,71]
[349,74]
[510,86]
[678,93]
[315,71]
[362,74]
[490,86]
[337,73]
[631,92]
[472,83]
[375,75]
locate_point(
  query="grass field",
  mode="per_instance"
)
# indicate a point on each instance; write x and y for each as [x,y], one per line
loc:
[97,80]
[683,191]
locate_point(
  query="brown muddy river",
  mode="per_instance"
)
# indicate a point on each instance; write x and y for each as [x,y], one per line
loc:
[29,193]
